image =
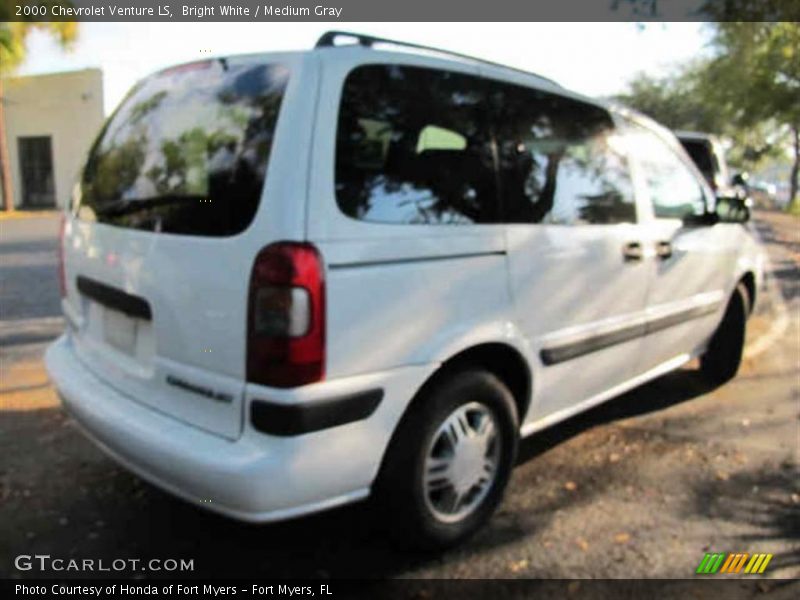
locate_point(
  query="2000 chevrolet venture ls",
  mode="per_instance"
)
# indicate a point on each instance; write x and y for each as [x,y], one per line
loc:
[296,280]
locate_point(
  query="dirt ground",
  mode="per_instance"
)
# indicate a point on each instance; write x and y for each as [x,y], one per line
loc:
[642,486]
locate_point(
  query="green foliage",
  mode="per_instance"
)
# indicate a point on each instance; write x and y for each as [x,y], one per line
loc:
[14,35]
[713,10]
[750,10]
[674,101]
[120,164]
[755,74]
[747,91]
[754,78]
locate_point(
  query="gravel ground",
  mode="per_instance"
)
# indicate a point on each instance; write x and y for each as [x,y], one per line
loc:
[642,486]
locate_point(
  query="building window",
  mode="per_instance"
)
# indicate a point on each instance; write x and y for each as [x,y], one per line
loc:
[36,168]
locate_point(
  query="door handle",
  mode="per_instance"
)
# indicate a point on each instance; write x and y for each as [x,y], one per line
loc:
[663,250]
[632,251]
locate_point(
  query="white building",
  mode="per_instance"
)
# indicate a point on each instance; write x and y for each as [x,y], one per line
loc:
[51,121]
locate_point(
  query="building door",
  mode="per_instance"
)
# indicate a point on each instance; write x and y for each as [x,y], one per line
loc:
[36,167]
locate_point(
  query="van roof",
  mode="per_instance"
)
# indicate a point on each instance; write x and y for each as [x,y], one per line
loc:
[345,41]
[696,136]
[329,38]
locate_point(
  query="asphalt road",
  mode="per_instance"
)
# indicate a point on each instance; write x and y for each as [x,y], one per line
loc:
[28,268]
[642,486]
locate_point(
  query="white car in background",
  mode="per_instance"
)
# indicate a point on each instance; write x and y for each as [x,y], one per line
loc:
[296,280]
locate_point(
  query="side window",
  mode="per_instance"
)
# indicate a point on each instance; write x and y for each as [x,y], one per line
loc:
[413,146]
[559,160]
[674,190]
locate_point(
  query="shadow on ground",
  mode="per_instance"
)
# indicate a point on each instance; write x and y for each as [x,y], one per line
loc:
[768,501]
[670,390]
[87,506]
[785,272]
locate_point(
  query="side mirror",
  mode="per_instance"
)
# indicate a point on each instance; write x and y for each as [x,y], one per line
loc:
[732,210]
[739,179]
[705,220]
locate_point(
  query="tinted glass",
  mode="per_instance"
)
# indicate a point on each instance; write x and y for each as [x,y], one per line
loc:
[417,145]
[187,150]
[413,146]
[557,160]
[703,157]
[675,191]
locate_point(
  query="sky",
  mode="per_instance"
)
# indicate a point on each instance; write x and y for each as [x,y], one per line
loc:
[597,59]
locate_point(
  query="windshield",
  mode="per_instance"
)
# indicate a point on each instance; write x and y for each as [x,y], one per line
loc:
[187,150]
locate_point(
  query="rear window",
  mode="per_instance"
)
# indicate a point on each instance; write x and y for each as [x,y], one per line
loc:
[187,150]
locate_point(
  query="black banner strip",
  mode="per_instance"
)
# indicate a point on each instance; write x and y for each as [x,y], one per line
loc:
[257,11]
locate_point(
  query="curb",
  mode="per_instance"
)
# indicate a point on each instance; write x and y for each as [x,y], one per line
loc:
[28,214]
[30,331]
[777,306]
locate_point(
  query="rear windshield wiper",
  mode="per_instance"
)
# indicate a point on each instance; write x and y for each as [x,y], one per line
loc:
[119,208]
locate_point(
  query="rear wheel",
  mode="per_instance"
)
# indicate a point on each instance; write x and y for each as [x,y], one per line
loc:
[450,460]
[721,361]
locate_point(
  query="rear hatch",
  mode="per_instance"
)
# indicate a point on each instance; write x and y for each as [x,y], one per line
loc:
[156,265]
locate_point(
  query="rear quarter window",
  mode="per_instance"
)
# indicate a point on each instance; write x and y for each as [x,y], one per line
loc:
[187,150]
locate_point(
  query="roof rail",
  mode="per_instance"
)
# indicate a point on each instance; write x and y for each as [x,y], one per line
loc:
[328,40]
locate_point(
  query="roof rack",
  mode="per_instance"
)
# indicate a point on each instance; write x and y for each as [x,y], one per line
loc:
[328,40]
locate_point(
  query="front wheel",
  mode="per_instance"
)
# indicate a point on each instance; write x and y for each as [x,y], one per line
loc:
[721,361]
[449,461]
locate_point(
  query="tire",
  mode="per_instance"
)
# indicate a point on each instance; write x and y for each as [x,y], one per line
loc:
[441,510]
[720,362]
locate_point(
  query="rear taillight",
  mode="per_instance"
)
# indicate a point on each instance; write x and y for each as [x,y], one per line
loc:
[286,316]
[62,277]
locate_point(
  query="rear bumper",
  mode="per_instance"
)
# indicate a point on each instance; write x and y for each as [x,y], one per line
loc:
[258,477]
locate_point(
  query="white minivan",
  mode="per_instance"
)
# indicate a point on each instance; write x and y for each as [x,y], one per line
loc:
[296,280]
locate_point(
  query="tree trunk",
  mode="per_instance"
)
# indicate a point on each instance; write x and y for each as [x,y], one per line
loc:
[5,167]
[793,199]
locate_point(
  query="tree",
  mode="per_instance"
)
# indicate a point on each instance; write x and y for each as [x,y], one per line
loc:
[13,38]
[748,90]
[674,100]
[755,79]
